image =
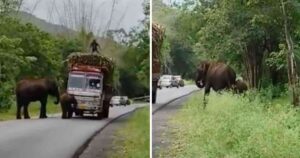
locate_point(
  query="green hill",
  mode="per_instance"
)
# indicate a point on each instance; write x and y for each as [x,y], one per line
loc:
[43,24]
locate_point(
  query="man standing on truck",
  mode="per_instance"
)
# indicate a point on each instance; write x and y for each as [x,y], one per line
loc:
[94,46]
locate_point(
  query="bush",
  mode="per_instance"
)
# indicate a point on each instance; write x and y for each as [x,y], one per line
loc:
[235,126]
[5,97]
[271,92]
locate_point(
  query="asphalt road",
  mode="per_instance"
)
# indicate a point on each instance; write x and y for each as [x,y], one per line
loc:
[166,95]
[52,137]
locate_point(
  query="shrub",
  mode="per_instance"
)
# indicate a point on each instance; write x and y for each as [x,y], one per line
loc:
[5,97]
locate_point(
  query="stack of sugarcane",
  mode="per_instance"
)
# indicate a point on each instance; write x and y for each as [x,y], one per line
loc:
[97,60]
[157,41]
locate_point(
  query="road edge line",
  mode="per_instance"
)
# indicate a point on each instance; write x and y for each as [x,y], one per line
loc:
[172,100]
[81,149]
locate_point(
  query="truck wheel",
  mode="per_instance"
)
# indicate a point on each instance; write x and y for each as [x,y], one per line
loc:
[153,96]
[154,91]
[105,109]
[99,115]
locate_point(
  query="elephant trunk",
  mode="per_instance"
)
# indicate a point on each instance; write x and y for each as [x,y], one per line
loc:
[199,82]
[57,99]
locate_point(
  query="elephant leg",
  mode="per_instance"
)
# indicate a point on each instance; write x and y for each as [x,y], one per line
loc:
[43,108]
[70,112]
[64,111]
[206,92]
[19,106]
[26,114]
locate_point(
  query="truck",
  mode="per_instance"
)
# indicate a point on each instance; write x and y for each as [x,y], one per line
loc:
[157,41]
[90,80]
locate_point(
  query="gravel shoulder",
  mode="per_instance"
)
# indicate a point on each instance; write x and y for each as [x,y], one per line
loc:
[161,126]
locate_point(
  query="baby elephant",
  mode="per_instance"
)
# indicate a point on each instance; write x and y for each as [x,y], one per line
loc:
[241,86]
[68,104]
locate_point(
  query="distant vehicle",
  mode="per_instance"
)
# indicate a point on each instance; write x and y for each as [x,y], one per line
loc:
[119,100]
[174,82]
[165,81]
[180,80]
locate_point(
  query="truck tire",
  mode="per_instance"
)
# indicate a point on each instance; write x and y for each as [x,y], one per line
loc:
[153,96]
[105,111]
[154,91]
[99,115]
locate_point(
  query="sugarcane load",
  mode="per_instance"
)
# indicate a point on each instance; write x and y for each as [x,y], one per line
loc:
[90,80]
[158,33]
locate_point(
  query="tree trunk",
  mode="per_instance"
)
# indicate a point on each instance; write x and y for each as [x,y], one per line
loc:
[253,61]
[292,73]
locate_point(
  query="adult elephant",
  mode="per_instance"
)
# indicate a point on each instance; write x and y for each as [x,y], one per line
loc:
[29,90]
[215,75]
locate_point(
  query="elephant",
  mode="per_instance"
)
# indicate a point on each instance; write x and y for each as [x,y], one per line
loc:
[240,86]
[215,75]
[68,105]
[29,90]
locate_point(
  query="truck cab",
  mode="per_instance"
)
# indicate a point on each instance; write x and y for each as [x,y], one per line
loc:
[86,84]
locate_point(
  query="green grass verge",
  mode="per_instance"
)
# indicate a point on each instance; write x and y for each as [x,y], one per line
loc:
[189,82]
[34,110]
[134,138]
[234,126]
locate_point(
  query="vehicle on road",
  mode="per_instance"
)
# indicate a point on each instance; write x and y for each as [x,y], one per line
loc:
[165,81]
[174,82]
[89,80]
[179,79]
[119,100]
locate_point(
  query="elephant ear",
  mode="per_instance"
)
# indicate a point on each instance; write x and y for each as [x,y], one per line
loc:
[204,66]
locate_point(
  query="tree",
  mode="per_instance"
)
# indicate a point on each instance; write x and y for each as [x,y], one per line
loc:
[292,70]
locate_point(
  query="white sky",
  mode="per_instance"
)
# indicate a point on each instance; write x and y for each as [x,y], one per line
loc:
[127,13]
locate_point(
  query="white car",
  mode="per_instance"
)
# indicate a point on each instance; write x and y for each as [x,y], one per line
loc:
[165,81]
[119,100]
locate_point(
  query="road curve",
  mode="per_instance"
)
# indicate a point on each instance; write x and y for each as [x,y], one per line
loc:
[52,137]
[166,95]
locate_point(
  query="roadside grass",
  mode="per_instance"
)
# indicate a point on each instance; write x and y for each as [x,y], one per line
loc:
[189,82]
[234,126]
[134,138]
[34,110]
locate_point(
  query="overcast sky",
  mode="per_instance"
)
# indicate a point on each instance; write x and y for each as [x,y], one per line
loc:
[127,13]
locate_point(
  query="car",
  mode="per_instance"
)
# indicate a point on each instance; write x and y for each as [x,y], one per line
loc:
[119,100]
[165,81]
[180,80]
[174,82]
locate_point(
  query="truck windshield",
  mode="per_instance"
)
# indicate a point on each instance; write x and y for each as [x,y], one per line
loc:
[94,83]
[76,81]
